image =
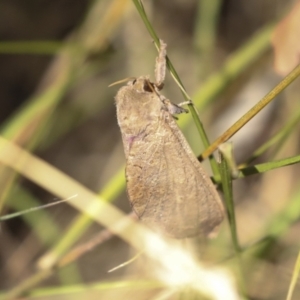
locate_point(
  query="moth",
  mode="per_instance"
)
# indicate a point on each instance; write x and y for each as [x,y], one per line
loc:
[167,187]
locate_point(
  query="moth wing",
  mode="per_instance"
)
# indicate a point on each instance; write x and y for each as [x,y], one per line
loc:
[167,186]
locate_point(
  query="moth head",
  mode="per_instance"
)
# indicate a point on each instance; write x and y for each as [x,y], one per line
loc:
[142,84]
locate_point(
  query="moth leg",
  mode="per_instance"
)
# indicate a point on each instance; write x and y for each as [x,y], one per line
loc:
[185,103]
[173,108]
[160,65]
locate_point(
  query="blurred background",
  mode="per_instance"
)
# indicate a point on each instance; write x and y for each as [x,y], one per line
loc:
[57,59]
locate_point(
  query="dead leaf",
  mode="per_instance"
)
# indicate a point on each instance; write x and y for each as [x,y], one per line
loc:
[286,42]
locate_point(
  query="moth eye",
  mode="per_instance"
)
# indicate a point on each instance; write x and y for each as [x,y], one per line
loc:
[148,87]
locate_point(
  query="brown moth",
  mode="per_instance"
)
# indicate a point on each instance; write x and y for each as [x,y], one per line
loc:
[166,185]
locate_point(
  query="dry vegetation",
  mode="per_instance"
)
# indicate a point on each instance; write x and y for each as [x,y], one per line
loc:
[60,139]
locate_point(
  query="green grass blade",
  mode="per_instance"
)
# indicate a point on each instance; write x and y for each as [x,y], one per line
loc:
[265,167]
[225,172]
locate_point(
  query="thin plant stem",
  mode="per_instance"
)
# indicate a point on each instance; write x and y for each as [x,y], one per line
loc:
[252,112]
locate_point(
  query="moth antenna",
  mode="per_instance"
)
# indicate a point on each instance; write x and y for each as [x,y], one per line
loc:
[121,81]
